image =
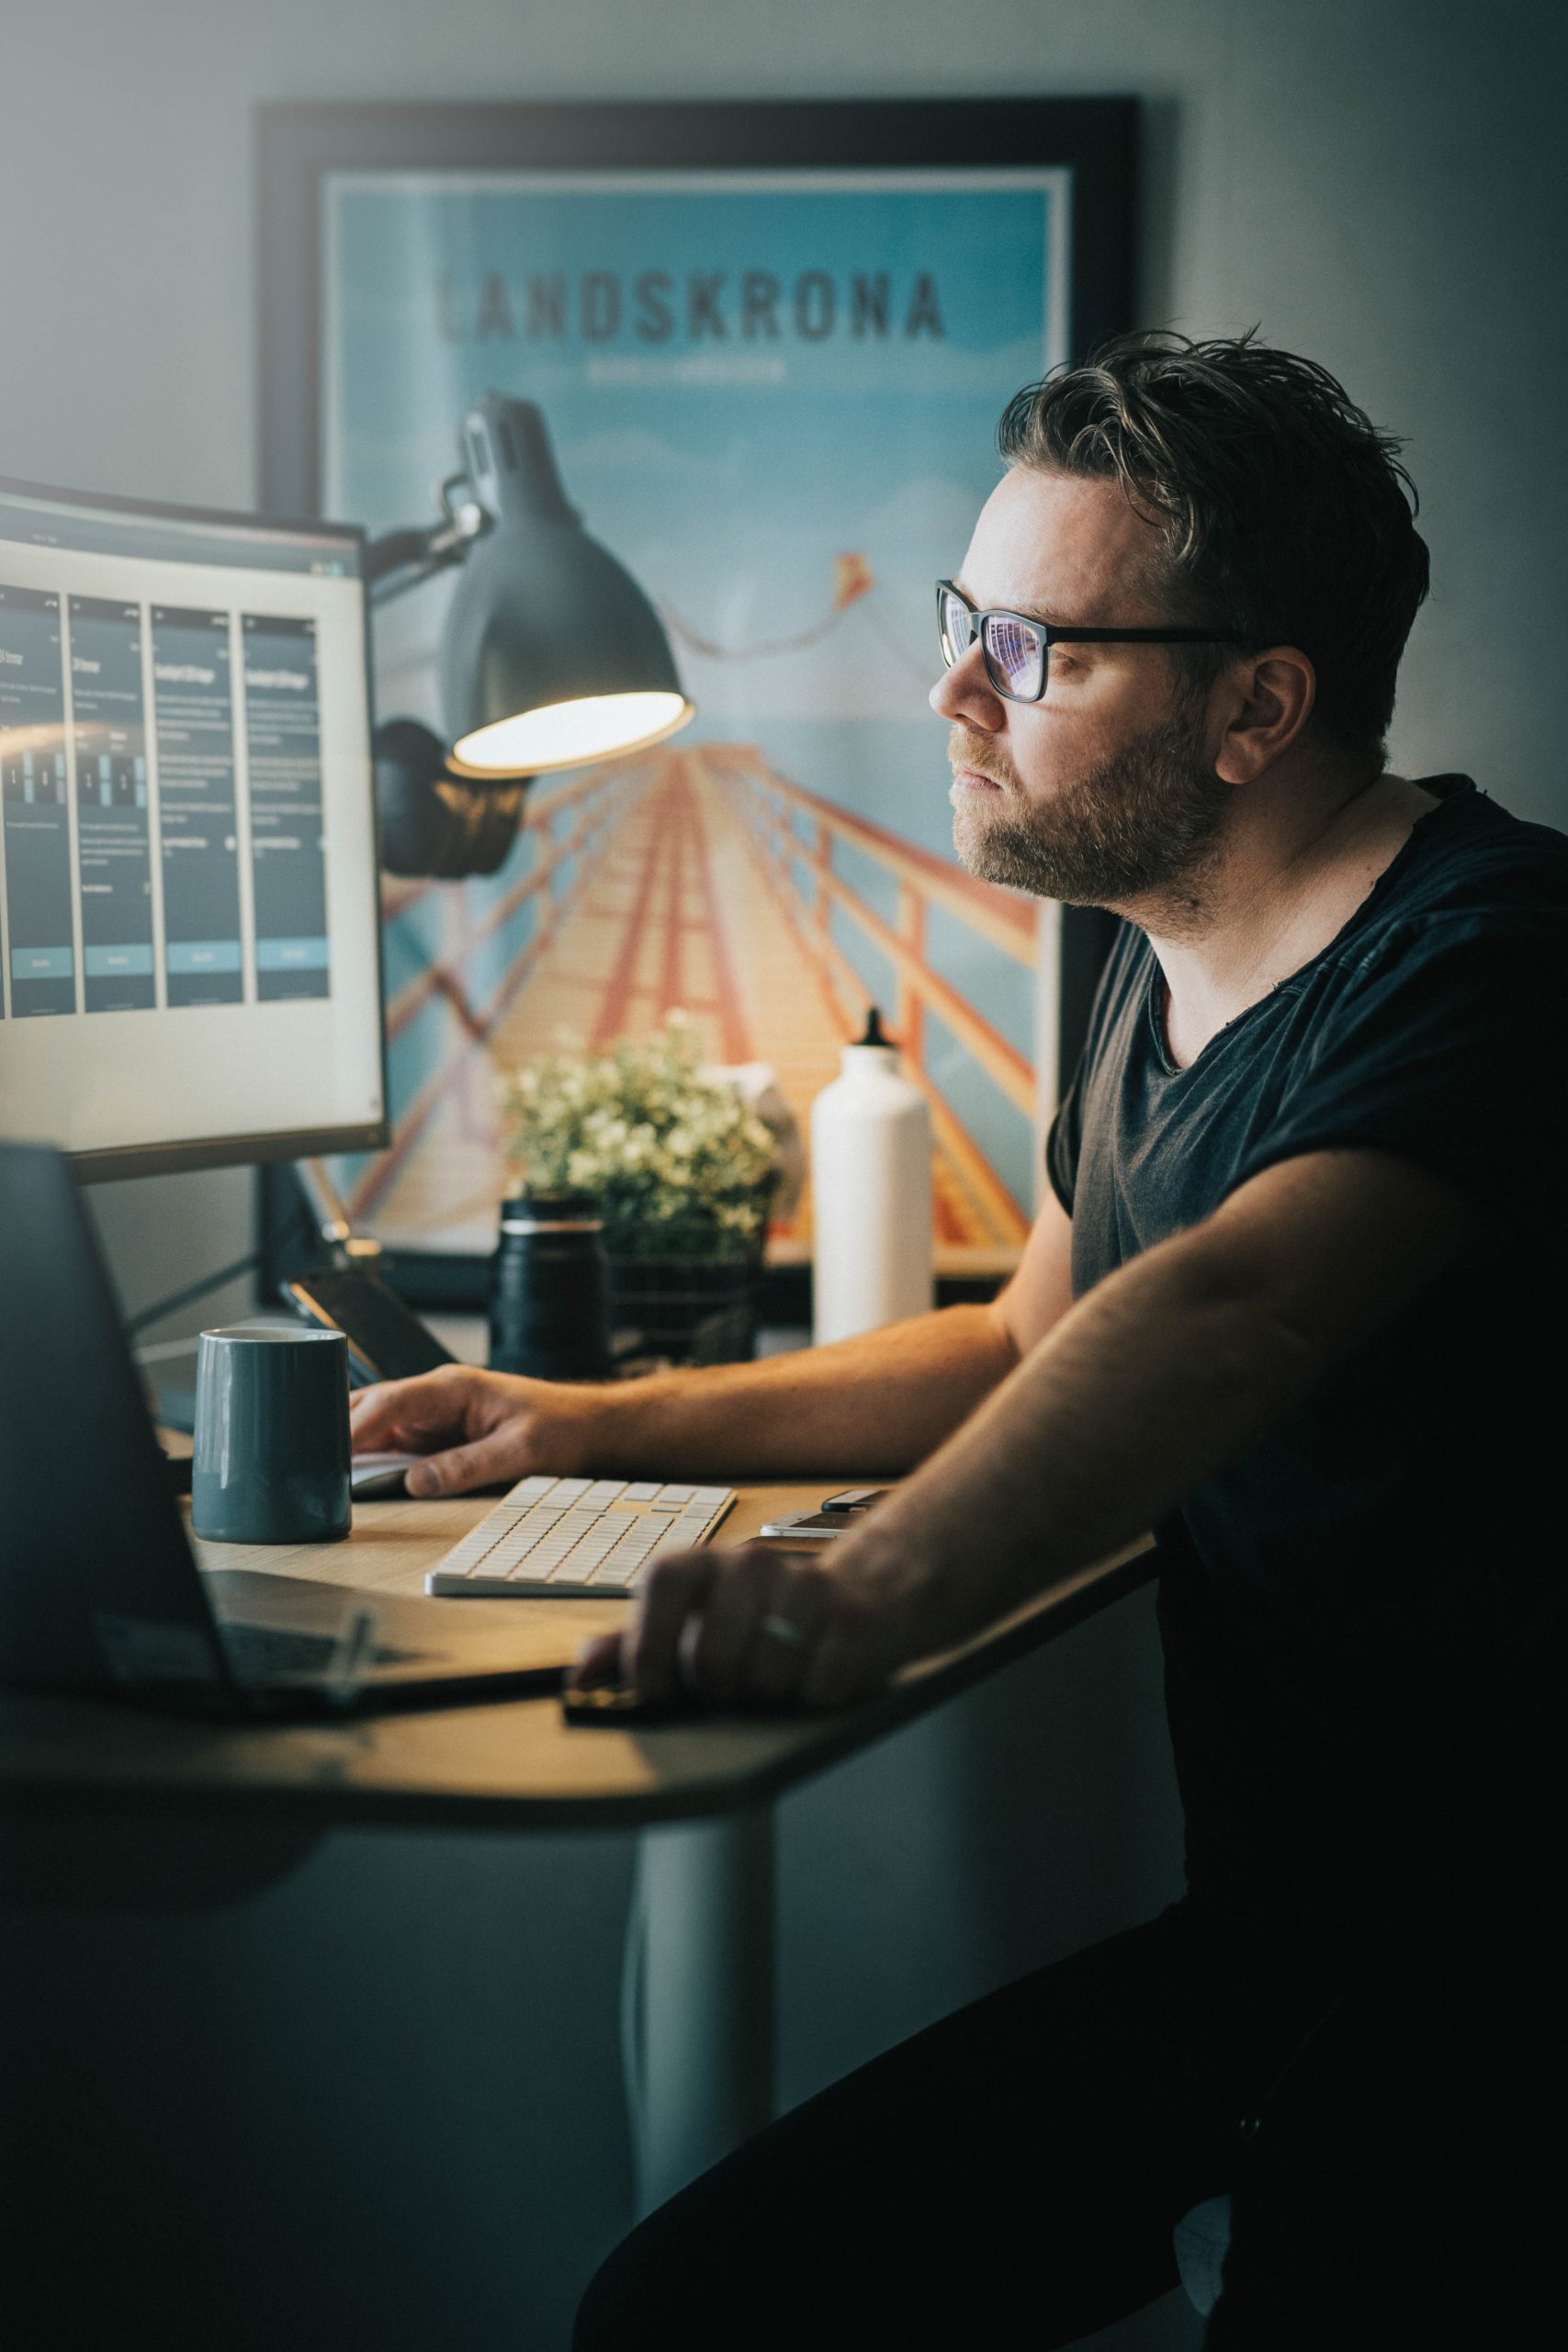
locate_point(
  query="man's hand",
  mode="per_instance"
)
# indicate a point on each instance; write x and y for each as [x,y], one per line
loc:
[767,1624]
[477,1429]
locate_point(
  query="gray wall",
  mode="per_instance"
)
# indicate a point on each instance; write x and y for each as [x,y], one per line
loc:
[1379,183]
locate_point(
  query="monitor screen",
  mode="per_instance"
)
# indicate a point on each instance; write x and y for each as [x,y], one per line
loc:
[190,936]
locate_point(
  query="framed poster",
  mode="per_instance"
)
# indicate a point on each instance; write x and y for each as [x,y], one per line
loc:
[772,344]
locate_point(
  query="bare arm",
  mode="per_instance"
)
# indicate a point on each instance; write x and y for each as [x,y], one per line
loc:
[1176,1366]
[878,1404]
[1162,1374]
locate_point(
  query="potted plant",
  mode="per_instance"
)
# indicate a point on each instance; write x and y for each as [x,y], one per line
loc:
[684,1170]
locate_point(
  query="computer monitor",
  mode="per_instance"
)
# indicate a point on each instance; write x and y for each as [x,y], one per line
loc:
[190,929]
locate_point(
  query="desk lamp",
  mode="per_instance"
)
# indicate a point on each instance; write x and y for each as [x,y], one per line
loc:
[551,655]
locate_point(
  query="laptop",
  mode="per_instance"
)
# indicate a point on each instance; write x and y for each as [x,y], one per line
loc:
[100,1592]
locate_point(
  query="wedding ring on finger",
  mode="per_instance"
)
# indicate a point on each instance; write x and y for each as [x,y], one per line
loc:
[685,1654]
[780,1629]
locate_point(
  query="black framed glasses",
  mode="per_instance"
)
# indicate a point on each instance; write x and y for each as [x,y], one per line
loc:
[1017,650]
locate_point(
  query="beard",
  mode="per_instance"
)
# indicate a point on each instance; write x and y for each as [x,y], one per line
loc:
[1143,822]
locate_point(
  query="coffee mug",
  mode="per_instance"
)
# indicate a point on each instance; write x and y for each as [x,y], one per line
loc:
[271,1458]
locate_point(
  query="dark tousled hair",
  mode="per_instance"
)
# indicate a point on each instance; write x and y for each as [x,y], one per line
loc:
[1283,516]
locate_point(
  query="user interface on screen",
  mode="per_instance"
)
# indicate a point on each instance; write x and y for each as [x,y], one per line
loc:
[188,924]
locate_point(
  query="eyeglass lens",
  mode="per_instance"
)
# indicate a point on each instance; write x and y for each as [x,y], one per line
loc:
[1015,656]
[1015,653]
[955,629]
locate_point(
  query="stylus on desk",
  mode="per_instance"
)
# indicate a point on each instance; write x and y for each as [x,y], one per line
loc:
[351,1657]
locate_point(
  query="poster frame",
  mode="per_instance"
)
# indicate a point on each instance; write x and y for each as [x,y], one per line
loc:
[298,148]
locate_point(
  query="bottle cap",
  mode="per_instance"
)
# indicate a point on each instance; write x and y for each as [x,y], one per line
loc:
[874,1050]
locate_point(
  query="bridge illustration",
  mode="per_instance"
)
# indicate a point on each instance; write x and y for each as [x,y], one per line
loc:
[698,879]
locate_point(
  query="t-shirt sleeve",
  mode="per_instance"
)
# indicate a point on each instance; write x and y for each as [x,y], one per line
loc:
[1064,1142]
[1449,1048]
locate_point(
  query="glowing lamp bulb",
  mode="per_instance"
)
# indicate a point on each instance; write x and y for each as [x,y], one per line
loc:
[571,734]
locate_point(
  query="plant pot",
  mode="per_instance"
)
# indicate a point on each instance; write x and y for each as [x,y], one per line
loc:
[688,1310]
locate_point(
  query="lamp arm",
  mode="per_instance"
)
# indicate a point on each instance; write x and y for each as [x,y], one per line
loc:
[400,560]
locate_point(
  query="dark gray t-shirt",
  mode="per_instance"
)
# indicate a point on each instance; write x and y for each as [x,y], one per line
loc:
[1351,1612]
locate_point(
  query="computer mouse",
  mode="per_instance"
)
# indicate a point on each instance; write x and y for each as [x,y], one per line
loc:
[377,1477]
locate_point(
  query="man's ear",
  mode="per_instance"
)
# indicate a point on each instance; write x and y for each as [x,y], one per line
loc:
[1273,693]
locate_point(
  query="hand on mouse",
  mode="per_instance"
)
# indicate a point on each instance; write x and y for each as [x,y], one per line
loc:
[478,1429]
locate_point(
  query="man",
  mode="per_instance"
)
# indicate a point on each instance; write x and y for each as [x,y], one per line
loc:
[1304,1229]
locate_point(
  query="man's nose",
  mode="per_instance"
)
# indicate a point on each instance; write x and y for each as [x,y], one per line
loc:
[964,693]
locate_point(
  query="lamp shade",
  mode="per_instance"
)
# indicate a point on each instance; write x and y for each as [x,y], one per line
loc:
[551,655]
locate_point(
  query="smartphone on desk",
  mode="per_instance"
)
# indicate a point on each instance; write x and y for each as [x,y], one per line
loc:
[838,1515]
[611,1705]
[386,1340]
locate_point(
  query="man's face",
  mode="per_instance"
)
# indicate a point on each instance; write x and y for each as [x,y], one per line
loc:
[1102,793]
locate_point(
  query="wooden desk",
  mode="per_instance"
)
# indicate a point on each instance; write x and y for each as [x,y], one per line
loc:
[702,2067]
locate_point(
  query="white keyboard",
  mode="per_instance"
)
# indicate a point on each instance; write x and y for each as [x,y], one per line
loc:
[578,1539]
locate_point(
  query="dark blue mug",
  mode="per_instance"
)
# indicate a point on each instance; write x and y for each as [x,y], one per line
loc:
[271,1458]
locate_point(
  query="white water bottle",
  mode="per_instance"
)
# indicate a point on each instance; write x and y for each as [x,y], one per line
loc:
[871,1191]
